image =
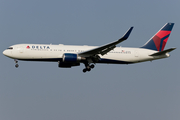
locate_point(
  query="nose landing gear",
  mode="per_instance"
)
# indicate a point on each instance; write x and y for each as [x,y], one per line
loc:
[16,63]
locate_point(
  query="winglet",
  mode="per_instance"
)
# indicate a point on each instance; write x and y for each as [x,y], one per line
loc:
[126,35]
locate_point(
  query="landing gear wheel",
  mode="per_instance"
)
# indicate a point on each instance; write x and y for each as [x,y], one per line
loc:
[15,60]
[16,65]
[84,70]
[92,66]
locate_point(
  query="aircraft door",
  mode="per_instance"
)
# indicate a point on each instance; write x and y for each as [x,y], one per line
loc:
[21,49]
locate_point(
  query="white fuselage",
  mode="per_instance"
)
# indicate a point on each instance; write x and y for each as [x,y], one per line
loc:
[45,52]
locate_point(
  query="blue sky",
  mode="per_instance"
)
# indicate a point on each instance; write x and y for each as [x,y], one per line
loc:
[42,91]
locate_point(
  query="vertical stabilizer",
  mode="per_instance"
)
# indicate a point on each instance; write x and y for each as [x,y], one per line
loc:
[159,40]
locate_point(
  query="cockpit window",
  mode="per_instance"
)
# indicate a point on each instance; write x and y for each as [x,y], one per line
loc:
[10,48]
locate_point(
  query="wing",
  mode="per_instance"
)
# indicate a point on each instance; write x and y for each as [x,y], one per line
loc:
[105,48]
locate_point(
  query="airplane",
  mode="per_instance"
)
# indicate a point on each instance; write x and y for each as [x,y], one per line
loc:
[68,56]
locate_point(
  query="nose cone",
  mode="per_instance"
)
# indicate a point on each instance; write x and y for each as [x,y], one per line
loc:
[7,53]
[4,52]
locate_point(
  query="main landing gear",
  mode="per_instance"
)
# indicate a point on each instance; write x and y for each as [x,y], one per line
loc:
[88,67]
[16,63]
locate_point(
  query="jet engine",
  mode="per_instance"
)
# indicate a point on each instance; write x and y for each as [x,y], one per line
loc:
[71,58]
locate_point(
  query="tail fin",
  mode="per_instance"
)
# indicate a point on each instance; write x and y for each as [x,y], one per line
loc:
[159,40]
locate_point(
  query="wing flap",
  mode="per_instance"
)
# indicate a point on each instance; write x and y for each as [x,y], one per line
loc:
[105,51]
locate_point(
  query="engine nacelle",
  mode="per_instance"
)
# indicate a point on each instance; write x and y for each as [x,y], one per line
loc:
[71,58]
[67,65]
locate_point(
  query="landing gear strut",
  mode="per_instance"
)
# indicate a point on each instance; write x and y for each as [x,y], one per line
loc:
[88,67]
[16,63]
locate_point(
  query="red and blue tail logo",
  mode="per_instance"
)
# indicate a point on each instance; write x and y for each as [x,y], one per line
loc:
[159,40]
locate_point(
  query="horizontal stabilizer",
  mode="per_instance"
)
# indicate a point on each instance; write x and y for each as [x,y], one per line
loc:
[163,52]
